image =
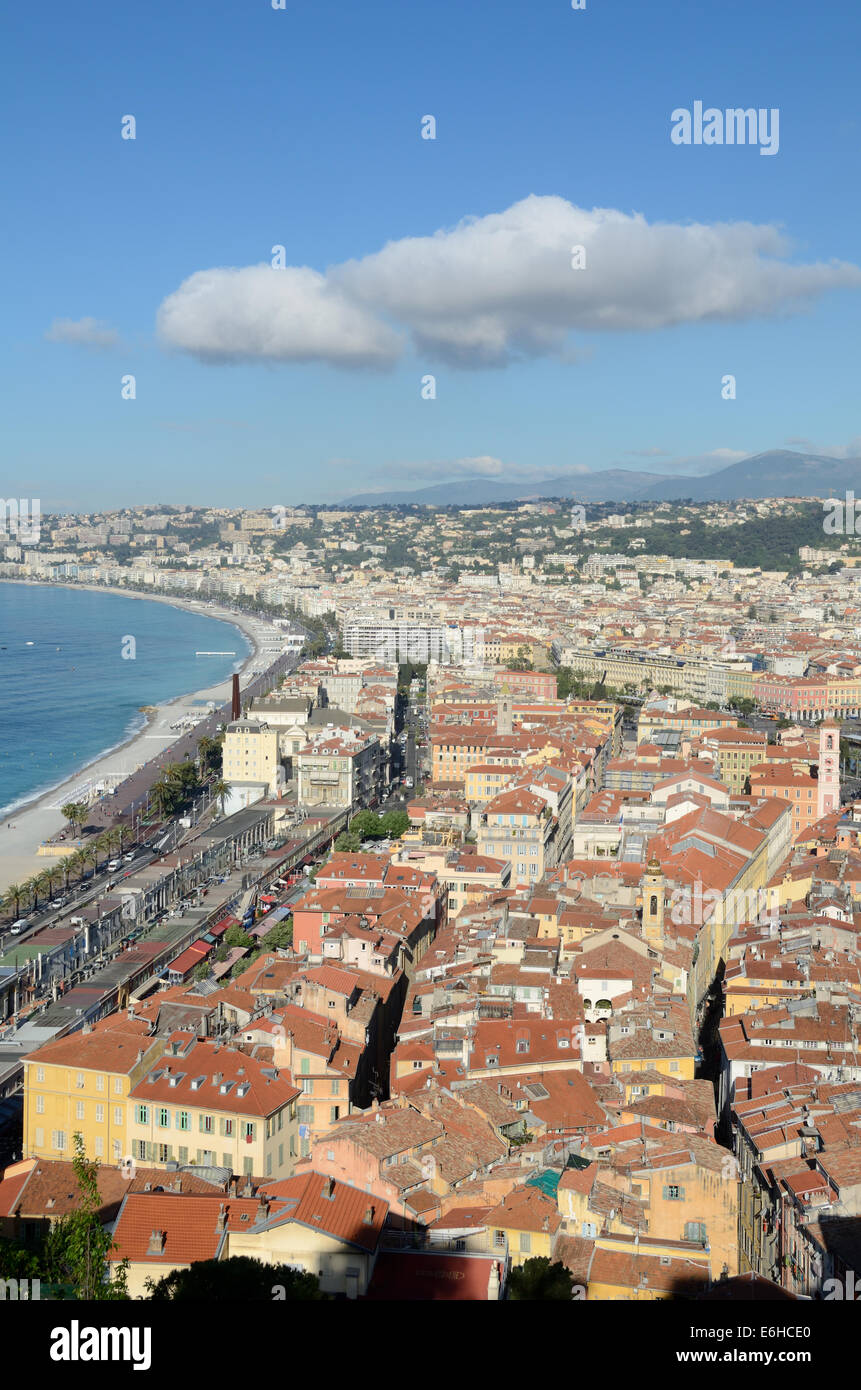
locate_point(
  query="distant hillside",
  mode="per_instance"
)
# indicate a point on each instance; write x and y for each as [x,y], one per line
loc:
[609,485]
[777,473]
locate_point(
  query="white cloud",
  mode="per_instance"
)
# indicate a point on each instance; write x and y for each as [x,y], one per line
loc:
[497,288]
[257,313]
[86,332]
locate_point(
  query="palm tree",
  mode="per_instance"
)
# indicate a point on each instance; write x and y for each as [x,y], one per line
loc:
[79,859]
[65,867]
[13,895]
[163,798]
[102,844]
[90,854]
[51,878]
[75,813]
[220,792]
[38,884]
[207,749]
[183,776]
[112,838]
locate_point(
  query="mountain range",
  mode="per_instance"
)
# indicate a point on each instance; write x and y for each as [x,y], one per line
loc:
[777,473]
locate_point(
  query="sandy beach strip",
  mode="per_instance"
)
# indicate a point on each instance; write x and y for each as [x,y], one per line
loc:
[42,818]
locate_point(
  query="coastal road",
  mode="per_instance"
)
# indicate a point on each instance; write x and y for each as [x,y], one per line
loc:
[77,897]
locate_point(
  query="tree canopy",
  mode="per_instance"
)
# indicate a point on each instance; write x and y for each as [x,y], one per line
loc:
[239,1277]
[538,1279]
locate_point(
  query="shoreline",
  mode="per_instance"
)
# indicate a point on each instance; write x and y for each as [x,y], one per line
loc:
[39,818]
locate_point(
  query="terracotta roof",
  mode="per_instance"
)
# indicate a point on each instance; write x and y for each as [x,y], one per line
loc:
[324,1204]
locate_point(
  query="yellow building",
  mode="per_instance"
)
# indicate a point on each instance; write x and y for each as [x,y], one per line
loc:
[312,1222]
[251,754]
[80,1084]
[528,1220]
[687,1197]
[736,751]
[210,1105]
[325,1227]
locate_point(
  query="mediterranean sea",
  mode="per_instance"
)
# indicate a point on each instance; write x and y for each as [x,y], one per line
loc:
[68,694]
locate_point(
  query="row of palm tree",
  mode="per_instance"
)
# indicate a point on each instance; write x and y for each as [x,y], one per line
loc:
[180,781]
[177,783]
[43,886]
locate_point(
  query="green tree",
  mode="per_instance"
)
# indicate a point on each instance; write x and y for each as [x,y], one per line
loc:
[242,965]
[522,662]
[394,824]
[209,755]
[280,936]
[538,1279]
[238,1278]
[17,1262]
[202,971]
[78,861]
[78,1247]
[12,898]
[235,936]
[75,813]
[366,825]
[163,798]
[347,842]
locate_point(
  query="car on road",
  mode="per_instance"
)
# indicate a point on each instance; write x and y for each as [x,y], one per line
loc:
[19,926]
[129,857]
[57,904]
[113,865]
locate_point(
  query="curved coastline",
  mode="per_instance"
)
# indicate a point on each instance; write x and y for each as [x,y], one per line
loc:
[37,818]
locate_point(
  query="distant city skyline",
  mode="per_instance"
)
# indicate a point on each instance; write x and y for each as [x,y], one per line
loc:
[405,258]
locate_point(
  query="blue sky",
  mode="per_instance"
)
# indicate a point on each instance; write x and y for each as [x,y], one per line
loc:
[258,127]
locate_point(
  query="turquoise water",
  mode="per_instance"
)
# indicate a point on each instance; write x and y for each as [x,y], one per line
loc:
[67,693]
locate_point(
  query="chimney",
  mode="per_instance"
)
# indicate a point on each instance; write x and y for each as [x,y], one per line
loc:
[234,706]
[221,1222]
[156,1243]
[262,1208]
